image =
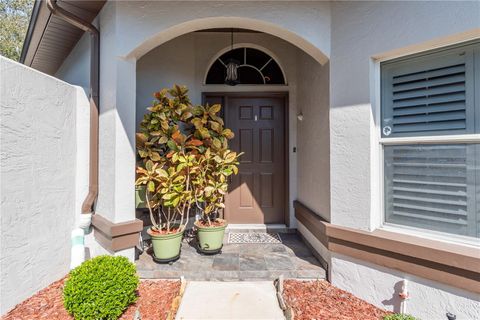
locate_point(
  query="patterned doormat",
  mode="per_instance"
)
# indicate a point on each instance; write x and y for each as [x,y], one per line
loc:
[254,237]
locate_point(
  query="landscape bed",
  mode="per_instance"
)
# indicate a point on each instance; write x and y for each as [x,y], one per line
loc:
[307,299]
[155,299]
[320,300]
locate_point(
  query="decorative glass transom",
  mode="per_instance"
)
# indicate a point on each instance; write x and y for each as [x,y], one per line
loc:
[254,67]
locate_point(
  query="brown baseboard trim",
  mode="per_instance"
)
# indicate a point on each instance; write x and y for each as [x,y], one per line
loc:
[452,264]
[116,236]
[313,222]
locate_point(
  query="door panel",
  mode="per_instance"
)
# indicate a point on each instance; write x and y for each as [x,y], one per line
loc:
[257,193]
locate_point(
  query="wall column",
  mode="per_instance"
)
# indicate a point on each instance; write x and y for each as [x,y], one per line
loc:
[116,199]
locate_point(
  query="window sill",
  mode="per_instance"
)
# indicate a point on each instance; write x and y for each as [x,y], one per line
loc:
[432,235]
[459,138]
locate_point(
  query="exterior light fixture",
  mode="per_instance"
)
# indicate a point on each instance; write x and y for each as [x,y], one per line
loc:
[232,68]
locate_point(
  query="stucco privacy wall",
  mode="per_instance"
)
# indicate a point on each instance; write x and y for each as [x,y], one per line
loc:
[360,30]
[38,190]
[428,299]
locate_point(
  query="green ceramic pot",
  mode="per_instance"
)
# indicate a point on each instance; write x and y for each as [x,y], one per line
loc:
[166,247]
[140,197]
[210,239]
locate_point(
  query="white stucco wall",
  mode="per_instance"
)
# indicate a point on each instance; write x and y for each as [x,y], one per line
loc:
[39,190]
[360,30]
[76,67]
[381,286]
[141,27]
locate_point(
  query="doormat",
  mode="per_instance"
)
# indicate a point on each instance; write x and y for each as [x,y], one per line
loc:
[254,237]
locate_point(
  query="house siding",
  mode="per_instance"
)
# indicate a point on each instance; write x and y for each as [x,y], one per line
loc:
[350,34]
[361,30]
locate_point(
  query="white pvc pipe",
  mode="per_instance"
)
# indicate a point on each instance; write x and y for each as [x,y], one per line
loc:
[404,296]
[78,248]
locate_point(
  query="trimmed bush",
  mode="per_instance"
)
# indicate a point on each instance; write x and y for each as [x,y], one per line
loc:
[399,316]
[101,288]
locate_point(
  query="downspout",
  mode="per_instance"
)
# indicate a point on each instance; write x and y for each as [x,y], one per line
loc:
[89,202]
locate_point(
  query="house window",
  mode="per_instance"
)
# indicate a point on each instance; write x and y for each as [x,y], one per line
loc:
[431,140]
[255,67]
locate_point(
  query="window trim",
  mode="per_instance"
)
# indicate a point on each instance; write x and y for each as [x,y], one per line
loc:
[450,139]
[377,142]
[431,234]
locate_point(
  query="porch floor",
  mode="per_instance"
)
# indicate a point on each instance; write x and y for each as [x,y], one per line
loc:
[292,259]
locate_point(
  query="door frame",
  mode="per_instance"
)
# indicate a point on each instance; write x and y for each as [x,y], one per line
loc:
[224,95]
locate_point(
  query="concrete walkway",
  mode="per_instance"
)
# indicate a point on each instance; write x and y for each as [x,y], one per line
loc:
[254,300]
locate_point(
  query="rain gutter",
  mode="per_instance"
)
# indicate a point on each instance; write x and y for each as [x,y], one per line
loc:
[89,202]
[31,27]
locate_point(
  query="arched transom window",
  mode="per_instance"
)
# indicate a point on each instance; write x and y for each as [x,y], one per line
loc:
[254,67]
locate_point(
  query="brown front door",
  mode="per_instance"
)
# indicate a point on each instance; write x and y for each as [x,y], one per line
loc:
[257,193]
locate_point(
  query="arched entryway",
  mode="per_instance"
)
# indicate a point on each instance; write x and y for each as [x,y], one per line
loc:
[263,114]
[141,46]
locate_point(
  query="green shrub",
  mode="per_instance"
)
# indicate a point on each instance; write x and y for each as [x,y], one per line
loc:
[399,316]
[101,288]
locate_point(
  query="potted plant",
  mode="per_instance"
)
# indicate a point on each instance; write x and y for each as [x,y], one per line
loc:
[216,163]
[165,169]
[184,161]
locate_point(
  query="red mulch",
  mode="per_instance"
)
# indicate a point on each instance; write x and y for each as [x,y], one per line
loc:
[154,302]
[45,304]
[155,299]
[321,301]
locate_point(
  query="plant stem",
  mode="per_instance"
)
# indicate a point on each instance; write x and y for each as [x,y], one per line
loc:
[154,223]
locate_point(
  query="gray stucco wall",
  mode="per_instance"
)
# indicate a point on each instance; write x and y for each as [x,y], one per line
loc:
[38,180]
[360,30]
[313,135]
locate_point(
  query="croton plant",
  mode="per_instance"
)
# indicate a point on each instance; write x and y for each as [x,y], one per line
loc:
[184,160]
